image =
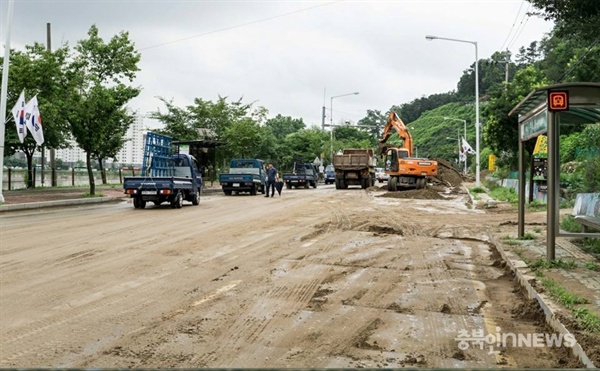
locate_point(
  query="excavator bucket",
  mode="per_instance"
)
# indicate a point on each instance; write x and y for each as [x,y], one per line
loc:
[382,148]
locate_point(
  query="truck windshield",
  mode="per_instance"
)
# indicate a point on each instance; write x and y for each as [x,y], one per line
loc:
[329,169]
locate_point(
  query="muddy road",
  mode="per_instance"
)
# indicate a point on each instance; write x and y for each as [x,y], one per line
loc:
[316,278]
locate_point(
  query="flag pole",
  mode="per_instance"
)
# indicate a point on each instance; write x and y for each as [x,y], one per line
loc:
[4,90]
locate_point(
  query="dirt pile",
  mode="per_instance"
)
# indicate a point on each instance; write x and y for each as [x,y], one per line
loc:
[422,194]
[447,174]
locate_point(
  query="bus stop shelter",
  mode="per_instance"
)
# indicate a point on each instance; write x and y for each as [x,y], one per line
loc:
[543,111]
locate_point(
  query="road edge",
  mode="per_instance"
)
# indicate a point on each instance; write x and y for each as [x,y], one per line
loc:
[57,203]
[550,317]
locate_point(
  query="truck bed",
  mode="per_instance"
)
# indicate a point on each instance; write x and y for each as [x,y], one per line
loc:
[142,182]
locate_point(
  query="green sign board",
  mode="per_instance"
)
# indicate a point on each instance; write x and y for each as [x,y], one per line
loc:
[534,126]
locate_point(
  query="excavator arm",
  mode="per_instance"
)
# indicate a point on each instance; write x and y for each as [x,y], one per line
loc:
[395,123]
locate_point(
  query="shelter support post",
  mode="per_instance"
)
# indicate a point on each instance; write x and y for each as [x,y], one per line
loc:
[521,227]
[553,188]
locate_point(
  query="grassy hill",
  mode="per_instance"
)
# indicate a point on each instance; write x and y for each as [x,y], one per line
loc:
[431,130]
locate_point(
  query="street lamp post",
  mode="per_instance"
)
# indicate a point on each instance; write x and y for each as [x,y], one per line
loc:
[477,164]
[458,140]
[465,125]
[331,118]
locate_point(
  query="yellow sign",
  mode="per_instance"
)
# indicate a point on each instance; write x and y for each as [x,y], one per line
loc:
[492,162]
[541,146]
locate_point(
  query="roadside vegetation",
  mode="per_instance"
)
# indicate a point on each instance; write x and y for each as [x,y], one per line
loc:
[83,91]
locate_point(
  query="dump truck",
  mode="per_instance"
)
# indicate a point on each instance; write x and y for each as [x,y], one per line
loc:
[354,166]
[404,170]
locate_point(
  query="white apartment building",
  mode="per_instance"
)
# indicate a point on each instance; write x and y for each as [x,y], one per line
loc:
[131,153]
[133,149]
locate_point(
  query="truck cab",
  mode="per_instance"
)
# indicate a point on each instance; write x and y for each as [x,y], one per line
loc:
[329,174]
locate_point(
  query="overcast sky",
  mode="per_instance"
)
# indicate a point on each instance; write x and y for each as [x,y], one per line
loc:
[289,56]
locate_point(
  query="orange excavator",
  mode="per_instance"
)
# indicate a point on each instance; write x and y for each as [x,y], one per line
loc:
[404,170]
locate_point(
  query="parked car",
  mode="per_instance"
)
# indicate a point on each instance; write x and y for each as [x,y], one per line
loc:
[381,175]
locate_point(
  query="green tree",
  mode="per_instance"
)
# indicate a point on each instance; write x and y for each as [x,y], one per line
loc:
[305,144]
[42,73]
[569,58]
[281,126]
[414,109]
[376,120]
[491,75]
[501,132]
[100,72]
[578,18]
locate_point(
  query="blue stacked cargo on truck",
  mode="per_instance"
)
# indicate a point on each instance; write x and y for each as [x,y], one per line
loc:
[165,177]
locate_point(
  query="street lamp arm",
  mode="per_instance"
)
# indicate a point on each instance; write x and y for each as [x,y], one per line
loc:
[430,38]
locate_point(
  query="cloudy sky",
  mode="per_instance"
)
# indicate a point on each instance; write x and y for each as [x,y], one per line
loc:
[289,56]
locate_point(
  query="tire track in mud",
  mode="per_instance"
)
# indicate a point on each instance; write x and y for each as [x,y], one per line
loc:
[23,341]
[249,328]
[277,304]
[19,336]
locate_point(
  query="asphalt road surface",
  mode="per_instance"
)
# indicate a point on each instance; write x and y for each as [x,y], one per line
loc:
[316,278]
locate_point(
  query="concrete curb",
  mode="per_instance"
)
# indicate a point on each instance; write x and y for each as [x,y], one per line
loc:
[75,202]
[551,318]
[45,204]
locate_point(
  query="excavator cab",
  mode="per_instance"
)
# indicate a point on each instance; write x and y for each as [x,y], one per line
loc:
[392,158]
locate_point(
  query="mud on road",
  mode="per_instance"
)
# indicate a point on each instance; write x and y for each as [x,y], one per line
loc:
[316,278]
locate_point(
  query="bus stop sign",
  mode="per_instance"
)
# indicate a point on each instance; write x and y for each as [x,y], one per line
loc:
[558,100]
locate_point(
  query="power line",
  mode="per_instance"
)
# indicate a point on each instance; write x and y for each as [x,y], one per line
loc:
[521,28]
[513,25]
[239,25]
[589,48]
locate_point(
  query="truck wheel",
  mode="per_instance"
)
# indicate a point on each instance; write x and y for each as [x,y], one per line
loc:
[142,204]
[136,202]
[393,184]
[177,201]
[314,184]
[288,186]
[253,190]
[227,193]
[306,185]
[196,199]
[364,183]
[372,181]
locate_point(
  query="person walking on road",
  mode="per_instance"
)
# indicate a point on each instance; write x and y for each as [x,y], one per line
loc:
[271,175]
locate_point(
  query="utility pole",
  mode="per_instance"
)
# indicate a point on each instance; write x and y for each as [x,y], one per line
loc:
[323,111]
[506,63]
[53,181]
[4,89]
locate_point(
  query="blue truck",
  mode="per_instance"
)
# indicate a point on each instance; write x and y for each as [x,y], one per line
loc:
[303,175]
[329,174]
[245,175]
[165,177]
